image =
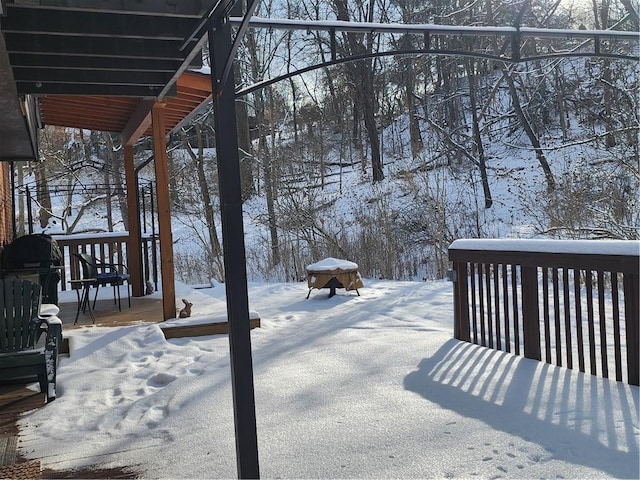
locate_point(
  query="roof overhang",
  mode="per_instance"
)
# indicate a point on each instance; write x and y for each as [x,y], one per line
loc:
[128,116]
[98,60]
[17,122]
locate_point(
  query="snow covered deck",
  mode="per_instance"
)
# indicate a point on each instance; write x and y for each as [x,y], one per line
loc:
[348,387]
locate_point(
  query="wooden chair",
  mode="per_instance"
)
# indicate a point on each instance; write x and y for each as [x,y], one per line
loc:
[102,274]
[29,343]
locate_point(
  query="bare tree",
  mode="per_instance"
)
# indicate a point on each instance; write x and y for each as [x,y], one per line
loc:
[264,154]
[360,74]
[213,245]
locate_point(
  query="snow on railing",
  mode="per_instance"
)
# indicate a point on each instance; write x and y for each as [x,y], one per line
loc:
[564,301]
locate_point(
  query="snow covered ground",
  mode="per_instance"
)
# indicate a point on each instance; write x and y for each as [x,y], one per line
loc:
[370,386]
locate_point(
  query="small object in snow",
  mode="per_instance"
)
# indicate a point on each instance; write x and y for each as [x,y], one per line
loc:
[186,311]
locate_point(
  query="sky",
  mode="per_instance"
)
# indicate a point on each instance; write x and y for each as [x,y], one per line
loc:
[369,386]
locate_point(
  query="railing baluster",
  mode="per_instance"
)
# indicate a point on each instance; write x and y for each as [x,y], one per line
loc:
[483,340]
[603,326]
[487,276]
[617,352]
[474,313]
[590,322]
[516,310]
[556,314]
[496,292]
[505,297]
[578,302]
[545,314]
[567,316]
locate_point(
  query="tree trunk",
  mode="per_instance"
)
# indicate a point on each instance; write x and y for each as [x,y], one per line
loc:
[610,139]
[263,154]
[366,96]
[43,195]
[562,108]
[271,186]
[209,214]
[293,92]
[408,75]
[535,142]
[361,76]
[244,143]
[488,201]
[21,198]
[269,192]
[107,196]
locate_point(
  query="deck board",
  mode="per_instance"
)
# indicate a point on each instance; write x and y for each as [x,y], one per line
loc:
[203,329]
[8,447]
[143,309]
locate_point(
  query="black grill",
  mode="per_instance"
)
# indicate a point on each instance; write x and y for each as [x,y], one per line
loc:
[35,255]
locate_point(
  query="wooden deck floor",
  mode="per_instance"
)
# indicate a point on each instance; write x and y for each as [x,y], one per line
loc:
[143,309]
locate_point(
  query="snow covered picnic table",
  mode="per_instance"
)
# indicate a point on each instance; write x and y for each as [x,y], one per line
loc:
[333,273]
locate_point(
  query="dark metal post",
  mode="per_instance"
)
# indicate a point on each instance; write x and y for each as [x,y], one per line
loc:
[154,237]
[234,250]
[13,200]
[140,195]
[29,211]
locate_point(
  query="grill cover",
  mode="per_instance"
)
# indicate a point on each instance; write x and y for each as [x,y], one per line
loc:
[39,253]
[38,250]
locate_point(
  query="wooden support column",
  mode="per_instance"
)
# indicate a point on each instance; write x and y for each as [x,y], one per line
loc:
[134,246]
[461,301]
[632,324]
[164,211]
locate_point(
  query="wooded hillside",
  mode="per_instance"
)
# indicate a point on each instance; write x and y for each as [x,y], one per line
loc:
[387,160]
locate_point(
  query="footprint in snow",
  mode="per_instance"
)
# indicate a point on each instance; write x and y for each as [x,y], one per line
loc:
[161,380]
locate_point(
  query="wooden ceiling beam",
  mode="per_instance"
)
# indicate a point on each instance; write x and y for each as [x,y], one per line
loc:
[96,116]
[190,93]
[85,124]
[125,104]
[182,8]
[139,122]
[198,81]
[96,77]
[38,88]
[42,60]
[179,102]
[96,24]
[18,43]
[75,116]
